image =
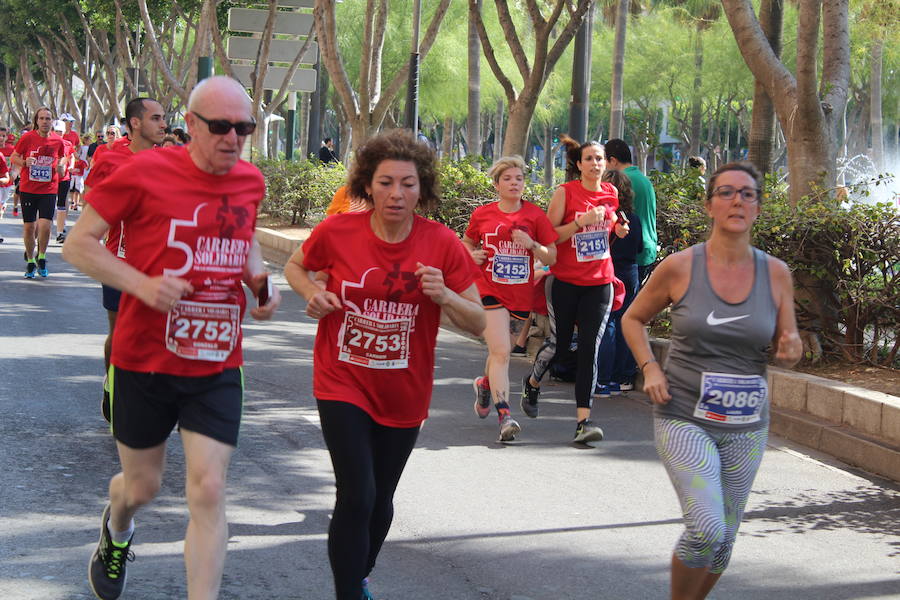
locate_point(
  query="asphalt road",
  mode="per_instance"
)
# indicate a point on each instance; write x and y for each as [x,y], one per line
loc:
[536,520]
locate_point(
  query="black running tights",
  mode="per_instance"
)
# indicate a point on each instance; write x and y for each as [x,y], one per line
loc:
[368,460]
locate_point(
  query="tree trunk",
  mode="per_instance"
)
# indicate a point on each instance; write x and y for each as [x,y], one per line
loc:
[762,126]
[875,103]
[548,156]
[616,117]
[473,123]
[447,141]
[498,131]
[696,99]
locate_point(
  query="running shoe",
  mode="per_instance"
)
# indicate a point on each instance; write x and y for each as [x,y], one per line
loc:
[586,431]
[509,429]
[30,268]
[61,238]
[104,401]
[42,267]
[106,571]
[366,594]
[518,350]
[15,212]
[614,389]
[529,401]
[482,398]
[601,391]
[627,386]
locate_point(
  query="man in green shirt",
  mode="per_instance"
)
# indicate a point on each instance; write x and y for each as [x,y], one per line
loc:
[618,157]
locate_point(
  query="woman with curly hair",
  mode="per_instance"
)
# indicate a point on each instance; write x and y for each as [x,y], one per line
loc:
[390,274]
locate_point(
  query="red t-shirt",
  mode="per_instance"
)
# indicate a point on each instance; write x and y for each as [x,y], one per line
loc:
[4,169]
[68,150]
[584,258]
[78,169]
[507,272]
[190,224]
[41,177]
[73,138]
[378,351]
[7,150]
[103,168]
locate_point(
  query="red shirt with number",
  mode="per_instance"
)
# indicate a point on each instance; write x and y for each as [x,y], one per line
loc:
[103,168]
[190,224]
[377,352]
[41,177]
[507,272]
[68,150]
[584,258]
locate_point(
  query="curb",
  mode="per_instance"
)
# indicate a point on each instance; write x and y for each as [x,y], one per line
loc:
[858,426]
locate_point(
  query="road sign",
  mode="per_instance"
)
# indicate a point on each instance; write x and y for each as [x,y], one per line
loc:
[279,50]
[297,3]
[252,20]
[304,80]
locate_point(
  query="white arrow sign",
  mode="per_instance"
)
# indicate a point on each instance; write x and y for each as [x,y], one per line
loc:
[279,50]
[251,20]
[304,80]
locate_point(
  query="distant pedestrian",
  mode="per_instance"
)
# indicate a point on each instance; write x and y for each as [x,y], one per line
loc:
[326,152]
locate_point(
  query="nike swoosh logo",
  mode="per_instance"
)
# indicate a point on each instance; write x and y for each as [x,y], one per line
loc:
[713,321]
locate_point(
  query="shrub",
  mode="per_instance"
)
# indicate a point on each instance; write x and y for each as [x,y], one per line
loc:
[845,258]
[299,192]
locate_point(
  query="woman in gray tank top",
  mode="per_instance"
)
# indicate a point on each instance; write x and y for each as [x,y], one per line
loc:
[730,303]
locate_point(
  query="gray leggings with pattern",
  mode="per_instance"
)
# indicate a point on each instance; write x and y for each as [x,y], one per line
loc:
[712,473]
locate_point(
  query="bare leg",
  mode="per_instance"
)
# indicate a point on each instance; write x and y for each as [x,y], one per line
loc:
[207,532]
[522,338]
[43,235]
[28,239]
[107,345]
[496,334]
[61,220]
[691,583]
[137,483]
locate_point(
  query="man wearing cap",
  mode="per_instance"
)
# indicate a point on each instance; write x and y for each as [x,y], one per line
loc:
[65,180]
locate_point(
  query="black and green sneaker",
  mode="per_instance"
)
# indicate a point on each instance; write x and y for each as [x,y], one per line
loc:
[106,571]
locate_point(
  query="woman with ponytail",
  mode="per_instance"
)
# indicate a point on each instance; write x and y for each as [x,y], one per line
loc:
[580,288]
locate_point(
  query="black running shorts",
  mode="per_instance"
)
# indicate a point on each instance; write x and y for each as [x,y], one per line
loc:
[36,206]
[111,297]
[63,194]
[491,302]
[146,406]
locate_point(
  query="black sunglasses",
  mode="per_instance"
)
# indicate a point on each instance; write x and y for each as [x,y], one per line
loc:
[221,126]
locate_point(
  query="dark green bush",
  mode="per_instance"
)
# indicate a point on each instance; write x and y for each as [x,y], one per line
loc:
[299,192]
[845,258]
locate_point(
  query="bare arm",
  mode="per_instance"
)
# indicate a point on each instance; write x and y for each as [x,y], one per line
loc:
[83,250]
[464,309]
[319,301]
[556,212]
[479,255]
[653,297]
[16,159]
[786,343]
[255,276]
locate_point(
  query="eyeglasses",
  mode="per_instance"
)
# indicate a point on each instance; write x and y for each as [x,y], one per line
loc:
[221,126]
[748,195]
[111,132]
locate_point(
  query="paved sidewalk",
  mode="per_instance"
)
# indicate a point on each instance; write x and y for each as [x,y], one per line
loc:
[536,520]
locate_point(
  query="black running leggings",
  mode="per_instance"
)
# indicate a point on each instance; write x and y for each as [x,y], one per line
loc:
[368,460]
[588,306]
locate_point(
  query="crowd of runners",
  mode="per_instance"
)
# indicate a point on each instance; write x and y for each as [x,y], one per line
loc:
[166,224]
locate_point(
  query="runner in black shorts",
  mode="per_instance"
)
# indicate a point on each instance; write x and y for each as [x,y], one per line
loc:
[184,304]
[65,181]
[39,154]
[504,238]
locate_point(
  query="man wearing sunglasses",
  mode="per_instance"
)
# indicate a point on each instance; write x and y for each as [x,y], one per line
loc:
[190,213]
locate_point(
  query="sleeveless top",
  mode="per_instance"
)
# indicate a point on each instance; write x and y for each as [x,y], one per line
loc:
[584,259]
[716,367]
